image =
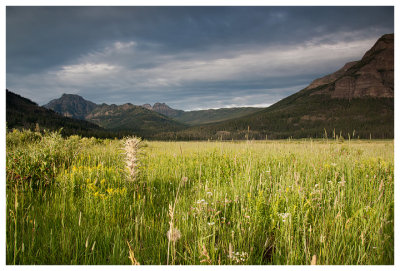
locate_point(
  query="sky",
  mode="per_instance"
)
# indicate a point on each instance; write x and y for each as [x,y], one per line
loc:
[188,57]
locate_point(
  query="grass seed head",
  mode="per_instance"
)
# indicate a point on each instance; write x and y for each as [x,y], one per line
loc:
[131,147]
[173,234]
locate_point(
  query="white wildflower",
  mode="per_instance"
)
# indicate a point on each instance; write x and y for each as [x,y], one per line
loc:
[284,216]
[202,201]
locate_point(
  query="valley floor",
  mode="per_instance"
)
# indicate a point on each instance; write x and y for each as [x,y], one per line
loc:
[71,201]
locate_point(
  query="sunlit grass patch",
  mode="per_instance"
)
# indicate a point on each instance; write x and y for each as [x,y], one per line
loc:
[261,202]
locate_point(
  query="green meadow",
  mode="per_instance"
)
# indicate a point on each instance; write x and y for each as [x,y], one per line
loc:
[74,201]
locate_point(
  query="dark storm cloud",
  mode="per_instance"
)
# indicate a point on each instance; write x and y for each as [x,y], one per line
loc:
[189,57]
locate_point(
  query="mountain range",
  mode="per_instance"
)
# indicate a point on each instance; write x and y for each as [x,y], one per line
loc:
[22,113]
[355,101]
[144,120]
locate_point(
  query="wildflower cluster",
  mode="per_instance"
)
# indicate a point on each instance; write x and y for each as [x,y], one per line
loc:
[97,180]
[239,257]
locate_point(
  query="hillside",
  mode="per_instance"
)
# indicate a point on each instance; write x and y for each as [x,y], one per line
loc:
[23,113]
[356,101]
[199,117]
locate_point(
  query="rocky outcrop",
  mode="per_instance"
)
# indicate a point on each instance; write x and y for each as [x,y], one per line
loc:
[163,109]
[331,77]
[147,106]
[372,76]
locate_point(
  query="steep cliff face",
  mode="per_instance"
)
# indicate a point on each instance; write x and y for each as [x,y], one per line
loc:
[372,76]
[331,77]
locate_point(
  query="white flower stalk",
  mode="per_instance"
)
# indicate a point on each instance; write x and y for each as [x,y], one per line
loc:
[131,147]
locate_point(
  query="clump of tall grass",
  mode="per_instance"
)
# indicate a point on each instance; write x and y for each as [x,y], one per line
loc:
[34,159]
[16,138]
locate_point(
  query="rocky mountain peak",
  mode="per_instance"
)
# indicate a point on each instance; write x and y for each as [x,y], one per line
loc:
[372,76]
[71,105]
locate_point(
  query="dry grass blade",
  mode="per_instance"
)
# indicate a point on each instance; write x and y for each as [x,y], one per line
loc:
[314,260]
[132,255]
[230,254]
[205,256]
[171,212]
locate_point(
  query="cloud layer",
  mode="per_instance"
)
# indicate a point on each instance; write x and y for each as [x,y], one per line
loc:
[190,58]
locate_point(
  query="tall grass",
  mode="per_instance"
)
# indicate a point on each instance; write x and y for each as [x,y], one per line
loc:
[261,202]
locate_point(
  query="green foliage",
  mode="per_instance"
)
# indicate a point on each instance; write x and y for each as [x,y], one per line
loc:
[254,202]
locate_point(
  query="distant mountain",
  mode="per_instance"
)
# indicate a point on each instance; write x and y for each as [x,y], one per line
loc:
[198,117]
[71,105]
[129,117]
[23,113]
[356,101]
